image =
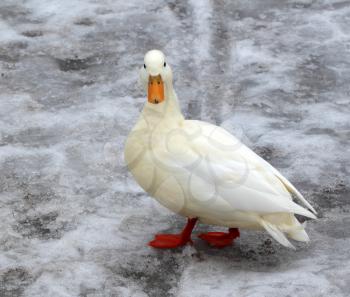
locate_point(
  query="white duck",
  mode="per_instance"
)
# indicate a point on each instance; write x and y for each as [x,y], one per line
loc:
[204,173]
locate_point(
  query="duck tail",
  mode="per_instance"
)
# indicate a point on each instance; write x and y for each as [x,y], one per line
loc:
[276,233]
[293,190]
[299,234]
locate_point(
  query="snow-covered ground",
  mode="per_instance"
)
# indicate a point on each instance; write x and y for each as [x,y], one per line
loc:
[72,220]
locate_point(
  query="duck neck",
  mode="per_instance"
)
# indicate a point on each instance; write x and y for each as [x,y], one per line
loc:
[167,111]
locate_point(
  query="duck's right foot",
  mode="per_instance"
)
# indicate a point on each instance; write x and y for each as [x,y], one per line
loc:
[220,239]
[170,241]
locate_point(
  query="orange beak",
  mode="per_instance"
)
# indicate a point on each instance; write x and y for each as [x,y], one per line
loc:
[155,89]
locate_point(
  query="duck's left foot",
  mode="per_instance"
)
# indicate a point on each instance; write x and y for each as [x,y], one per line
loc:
[220,239]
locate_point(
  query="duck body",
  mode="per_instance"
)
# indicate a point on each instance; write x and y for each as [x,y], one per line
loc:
[203,172]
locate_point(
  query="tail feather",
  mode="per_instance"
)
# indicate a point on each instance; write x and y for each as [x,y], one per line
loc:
[276,233]
[293,190]
[299,234]
[296,208]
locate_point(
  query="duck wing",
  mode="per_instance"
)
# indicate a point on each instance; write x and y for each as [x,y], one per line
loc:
[221,166]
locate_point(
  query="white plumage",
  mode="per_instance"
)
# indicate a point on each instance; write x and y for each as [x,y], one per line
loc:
[199,170]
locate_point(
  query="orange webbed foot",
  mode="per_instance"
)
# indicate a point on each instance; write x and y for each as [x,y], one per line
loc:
[171,241]
[220,239]
[168,241]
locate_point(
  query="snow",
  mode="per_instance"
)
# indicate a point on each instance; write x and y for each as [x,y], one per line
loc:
[75,223]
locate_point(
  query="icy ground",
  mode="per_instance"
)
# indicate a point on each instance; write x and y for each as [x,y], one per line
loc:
[73,221]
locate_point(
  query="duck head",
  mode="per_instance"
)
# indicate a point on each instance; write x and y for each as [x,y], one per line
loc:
[156,76]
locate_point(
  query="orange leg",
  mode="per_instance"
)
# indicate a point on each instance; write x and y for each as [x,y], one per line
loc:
[220,239]
[169,241]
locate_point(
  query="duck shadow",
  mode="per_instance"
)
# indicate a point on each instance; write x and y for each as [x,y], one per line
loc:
[253,251]
[243,255]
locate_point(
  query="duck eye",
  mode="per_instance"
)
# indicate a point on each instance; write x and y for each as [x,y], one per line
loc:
[164,64]
[144,66]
